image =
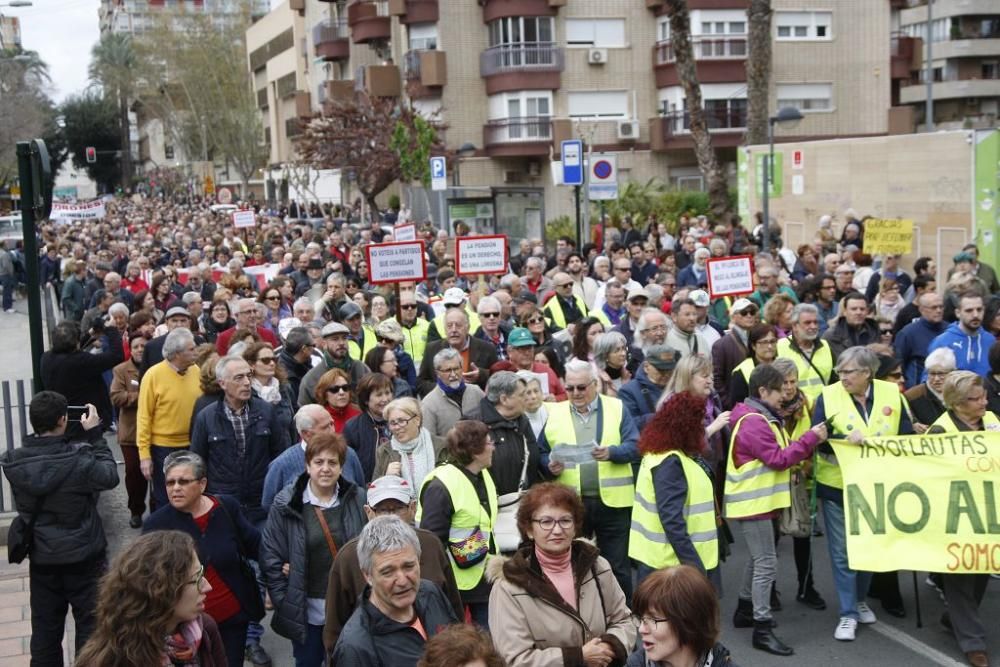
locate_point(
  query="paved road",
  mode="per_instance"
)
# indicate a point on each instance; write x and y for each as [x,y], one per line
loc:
[889,643]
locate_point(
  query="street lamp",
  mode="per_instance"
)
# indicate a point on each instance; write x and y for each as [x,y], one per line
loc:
[466,149]
[787,116]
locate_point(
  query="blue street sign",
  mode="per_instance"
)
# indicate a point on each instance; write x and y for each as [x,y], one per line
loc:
[572,162]
[439,174]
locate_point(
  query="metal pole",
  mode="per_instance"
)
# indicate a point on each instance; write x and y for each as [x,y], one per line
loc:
[576,188]
[766,191]
[929,75]
[603,228]
[24,169]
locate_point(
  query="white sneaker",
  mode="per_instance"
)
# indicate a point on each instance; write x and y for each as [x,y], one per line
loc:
[845,629]
[10,310]
[865,614]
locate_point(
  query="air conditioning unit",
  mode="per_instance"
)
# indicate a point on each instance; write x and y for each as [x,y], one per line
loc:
[513,176]
[597,56]
[628,130]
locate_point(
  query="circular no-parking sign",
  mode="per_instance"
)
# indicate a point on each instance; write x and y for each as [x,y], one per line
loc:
[603,169]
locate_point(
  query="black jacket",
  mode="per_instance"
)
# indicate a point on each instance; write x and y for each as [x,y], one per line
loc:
[285,542]
[295,371]
[510,437]
[398,644]
[79,376]
[214,439]
[70,474]
[362,435]
[220,544]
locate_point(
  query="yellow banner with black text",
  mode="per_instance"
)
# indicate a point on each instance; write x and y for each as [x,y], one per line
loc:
[925,502]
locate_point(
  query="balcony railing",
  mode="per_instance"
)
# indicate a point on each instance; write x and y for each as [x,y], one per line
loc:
[329,30]
[360,10]
[679,122]
[518,130]
[540,57]
[411,65]
[706,47]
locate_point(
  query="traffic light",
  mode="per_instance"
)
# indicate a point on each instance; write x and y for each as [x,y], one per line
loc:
[91,154]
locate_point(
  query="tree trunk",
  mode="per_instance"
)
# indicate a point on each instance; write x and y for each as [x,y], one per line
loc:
[125,140]
[758,70]
[708,163]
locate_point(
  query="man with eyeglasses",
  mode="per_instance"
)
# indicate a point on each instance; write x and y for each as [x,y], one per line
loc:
[812,356]
[248,316]
[335,355]
[477,355]
[361,340]
[387,496]
[454,298]
[621,271]
[565,308]
[602,475]
[914,340]
[491,328]
[451,398]
[611,313]
[521,346]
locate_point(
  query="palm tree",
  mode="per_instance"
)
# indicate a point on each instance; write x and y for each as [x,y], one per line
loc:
[113,66]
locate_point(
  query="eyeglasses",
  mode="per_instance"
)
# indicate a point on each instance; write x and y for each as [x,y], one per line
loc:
[897,375]
[272,298]
[564,285]
[750,312]
[938,374]
[885,332]
[339,389]
[535,320]
[623,268]
[490,315]
[578,387]
[265,360]
[198,578]
[457,370]
[651,622]
[547,523]
[401,422]
[181,482]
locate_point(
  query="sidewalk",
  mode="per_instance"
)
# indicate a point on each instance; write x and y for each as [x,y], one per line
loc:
[15,616]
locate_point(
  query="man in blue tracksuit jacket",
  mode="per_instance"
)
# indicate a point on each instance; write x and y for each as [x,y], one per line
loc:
[966,338]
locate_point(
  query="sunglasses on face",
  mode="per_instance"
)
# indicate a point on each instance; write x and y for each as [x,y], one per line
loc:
[338,389]
[409,306]
[534,320]
[577,387]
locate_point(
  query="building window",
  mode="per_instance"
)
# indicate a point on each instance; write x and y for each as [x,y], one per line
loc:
[604,33]
[990,69]
[602,104]
[521,30]
[527,103]
[800,26]
[806,97]
[423,37]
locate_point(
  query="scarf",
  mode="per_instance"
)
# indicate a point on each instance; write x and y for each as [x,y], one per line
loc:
[182,646]
[270,392]
[455,393]
[417,458]
[558,568]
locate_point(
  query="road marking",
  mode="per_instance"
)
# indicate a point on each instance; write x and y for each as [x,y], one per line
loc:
[915,645]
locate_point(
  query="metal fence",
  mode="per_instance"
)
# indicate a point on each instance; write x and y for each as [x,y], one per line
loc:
[15,396]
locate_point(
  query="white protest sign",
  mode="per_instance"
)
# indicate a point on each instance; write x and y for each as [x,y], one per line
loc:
[478,255]
[244,219]
[396,262]
[93,210]
[405,232]
[730,276]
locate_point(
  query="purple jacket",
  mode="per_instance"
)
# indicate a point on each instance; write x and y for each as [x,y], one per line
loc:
[755,440]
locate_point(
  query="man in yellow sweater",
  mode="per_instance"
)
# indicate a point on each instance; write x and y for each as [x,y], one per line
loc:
[167,396]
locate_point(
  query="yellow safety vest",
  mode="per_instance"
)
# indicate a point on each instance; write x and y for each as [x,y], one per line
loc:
[843,418]
[746,368]
[415,339]
[810,382]
[356,351]
[555,310]
[614,479]
[945,421]
[468,517]
[647,541]
[753,488]
[438,322]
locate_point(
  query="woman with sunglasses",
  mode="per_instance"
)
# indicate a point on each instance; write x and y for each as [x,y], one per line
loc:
[533,320]
[151,608]
[222,534]
[274,309]
[271,384]
[556,601]
[333,392]
[410,453]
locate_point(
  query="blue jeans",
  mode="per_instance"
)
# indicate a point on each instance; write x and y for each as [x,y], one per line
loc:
[255,630]
[311,653]
[852,587]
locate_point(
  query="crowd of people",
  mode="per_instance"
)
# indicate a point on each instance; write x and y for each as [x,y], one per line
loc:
[407,474]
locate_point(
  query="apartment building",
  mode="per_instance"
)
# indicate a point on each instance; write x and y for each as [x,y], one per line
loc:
[964,48]
[10,32]
[511,79]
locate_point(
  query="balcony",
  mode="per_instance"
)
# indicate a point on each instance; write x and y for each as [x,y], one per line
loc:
[966,47]
[425,73]
[671,131]
[369,20]
[303,105]
[501,9]
[518,137]
[414,11]
[905,55]
[521,67]
[338,91]
[330,40]
[950,90]
[718,59]
[378,81]
[293,127]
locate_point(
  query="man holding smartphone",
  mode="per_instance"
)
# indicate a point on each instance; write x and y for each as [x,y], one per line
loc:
[56,479]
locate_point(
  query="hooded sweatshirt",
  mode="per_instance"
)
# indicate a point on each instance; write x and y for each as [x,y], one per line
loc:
[971,352]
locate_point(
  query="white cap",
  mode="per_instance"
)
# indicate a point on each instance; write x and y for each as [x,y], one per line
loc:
[453,296]
[700,298]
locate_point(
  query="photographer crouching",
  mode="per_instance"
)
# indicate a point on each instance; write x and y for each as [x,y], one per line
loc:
[56,479]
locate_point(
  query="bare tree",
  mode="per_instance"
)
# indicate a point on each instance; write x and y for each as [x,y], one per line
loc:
[758,70]
[708,162]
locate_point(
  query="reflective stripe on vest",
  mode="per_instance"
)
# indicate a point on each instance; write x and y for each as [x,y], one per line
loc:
[810,382]
[614,479]
[468,516]
[647,540]
[754,488]
[358,353]
[415,339]
[843,419]
[554,306]
[990,422]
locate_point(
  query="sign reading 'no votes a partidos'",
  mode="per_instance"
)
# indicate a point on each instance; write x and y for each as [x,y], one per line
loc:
[396,262]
